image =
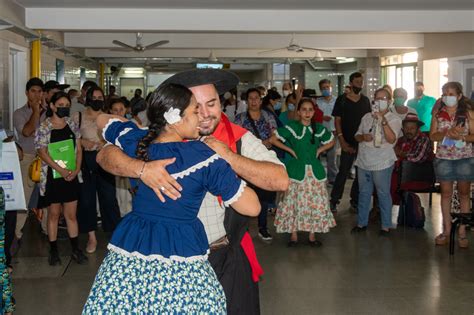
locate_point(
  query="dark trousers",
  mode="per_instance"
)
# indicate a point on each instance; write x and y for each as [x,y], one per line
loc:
[97,182]
[347,160]
[10,225]
[266,198]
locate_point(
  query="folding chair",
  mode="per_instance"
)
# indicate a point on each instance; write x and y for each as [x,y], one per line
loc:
[420,175]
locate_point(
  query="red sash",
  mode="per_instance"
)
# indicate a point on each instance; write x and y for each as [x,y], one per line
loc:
[230,133]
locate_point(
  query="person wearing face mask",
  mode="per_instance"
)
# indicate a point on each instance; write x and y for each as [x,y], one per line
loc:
[376,135]
[399,108]
[423,105]
[287,89]
[326,104]
[288,110]
[63,191]
[453,128]
[272,104]
[97,182]
[348,112]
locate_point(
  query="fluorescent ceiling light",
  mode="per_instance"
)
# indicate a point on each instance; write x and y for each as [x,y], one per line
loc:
[133,71]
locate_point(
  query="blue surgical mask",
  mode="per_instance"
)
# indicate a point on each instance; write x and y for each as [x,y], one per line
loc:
[128,116]
[326,92]
[277,106]
[291,107]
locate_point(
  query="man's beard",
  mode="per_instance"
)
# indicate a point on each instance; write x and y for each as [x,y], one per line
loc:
[209,131]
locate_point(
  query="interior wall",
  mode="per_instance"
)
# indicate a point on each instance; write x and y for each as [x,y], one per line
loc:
[7,39]
[12,12]
[448,45]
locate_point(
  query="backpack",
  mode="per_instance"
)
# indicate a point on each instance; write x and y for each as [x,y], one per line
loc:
[415,213]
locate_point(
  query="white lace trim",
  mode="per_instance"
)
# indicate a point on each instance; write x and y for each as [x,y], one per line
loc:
[302,135]
[153,257]
[279,137]
[320,134]
[195,167]
[305,172]
[237,194]
[123,132]
[110,122]
[330,139]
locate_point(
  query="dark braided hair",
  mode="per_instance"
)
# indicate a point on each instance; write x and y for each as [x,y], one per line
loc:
[163,98]
[313,125]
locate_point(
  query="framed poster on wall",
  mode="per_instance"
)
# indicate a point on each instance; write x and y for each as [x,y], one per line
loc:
[60,71]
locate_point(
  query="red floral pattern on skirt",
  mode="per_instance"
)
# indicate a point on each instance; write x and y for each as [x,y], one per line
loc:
[305,207]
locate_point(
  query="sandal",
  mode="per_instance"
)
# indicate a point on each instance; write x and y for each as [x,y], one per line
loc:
[441,240]
[463,242]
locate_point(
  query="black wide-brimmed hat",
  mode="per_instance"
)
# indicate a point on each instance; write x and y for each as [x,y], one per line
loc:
[223,80]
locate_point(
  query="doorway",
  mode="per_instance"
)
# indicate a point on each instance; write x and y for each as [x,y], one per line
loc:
[17,78]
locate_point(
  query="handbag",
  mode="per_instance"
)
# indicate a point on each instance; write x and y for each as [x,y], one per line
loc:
[34,171]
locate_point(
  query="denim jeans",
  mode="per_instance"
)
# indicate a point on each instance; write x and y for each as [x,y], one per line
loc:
[381,179]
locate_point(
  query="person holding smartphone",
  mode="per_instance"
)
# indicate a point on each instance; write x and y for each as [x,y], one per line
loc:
[377,135]
[453,128]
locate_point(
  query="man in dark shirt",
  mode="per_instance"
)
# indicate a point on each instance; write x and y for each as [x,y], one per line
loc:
[348,112]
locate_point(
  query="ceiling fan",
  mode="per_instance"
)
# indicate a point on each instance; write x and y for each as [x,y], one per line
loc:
[293,47]
[139,47]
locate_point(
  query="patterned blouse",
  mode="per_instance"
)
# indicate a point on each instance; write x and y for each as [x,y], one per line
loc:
[42,139]
[265,125]
[460,150]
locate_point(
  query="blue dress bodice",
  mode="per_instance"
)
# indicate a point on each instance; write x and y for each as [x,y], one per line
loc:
[171,230]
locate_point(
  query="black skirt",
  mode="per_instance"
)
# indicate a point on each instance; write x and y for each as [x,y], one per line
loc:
[59,190]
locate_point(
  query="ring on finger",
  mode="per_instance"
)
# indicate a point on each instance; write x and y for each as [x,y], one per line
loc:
[162,188]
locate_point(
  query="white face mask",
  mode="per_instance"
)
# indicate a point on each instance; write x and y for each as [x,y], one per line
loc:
[450,101]
[382,104]
[286,93]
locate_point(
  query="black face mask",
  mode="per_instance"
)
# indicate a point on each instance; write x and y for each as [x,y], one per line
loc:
[356,89]
[63,112]
[97,105]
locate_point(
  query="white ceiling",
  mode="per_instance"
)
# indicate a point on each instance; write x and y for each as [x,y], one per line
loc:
[259,4]
[240,29]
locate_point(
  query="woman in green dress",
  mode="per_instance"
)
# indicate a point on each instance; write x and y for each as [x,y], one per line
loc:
[305,206]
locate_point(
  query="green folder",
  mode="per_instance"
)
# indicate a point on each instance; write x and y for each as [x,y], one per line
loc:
[64,154]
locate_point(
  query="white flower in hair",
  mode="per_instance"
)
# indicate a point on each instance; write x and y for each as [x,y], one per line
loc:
[172,116]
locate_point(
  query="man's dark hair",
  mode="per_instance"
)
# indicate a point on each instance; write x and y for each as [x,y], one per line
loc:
[354,76]
[324,81]
[252,90]
[419,83]
[34,82]
[88,84]
[112,87]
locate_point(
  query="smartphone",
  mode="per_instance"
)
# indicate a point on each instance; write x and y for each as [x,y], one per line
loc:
[461,121]
[375,107]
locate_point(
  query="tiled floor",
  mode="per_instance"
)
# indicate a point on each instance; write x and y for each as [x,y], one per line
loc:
[350,274]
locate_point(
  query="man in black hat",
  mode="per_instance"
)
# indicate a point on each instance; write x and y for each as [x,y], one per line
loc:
[52,87]
[231,247]
[414,146]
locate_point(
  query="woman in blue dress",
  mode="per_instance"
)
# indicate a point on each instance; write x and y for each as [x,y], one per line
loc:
[157,261]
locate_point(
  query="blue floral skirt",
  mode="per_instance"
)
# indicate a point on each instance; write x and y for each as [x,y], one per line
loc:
[132,285]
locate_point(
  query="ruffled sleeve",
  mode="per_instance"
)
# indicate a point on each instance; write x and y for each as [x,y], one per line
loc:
[125,135]
[283,134]
[221,180]
[324,134]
